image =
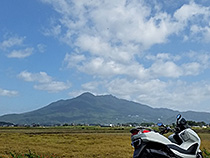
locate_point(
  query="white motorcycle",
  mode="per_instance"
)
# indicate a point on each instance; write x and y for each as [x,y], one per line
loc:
[183,143]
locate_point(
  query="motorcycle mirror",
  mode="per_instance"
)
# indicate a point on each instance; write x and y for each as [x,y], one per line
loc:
[160,124]
[178,116]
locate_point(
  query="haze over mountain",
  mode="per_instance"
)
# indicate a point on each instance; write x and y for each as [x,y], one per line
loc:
[88,108]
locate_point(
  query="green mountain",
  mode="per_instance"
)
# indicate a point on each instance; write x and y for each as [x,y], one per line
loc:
[88,108]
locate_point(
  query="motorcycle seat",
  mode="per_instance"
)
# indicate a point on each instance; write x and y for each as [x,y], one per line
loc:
[191,150]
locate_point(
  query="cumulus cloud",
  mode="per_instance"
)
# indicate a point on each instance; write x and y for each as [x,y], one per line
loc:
[72,60]
[15,47]
[166,69]
[198,16]
[108,37]
[21,53]
[190,11]
[175,95]
[91,86]
[8,93]
[53,86]
[116,22]
[41,77]
[11,42]
[45,82]
[170,66]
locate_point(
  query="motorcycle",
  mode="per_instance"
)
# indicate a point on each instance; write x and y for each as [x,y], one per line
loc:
[183,143]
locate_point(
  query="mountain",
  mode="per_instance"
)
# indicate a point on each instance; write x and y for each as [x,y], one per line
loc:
[88,108]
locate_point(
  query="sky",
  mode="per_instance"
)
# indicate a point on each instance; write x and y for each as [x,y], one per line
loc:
[148,51]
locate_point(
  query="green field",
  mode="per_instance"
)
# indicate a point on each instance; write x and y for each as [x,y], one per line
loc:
[72,142]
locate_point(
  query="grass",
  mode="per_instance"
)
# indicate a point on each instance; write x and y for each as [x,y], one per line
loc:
[66,142]
[71,142]
[30,155]
[205,141]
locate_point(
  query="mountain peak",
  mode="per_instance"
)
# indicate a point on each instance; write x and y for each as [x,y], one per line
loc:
[87,94]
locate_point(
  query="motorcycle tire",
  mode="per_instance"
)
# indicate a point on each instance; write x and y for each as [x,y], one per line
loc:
[199,155]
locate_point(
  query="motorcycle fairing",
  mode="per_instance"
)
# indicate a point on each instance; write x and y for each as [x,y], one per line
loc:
[153,150]
[138,150]
[187,150]
[190,151]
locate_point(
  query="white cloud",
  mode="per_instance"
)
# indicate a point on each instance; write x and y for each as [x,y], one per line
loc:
[176,95]
[91,86]
[163,65]
[166,69]
[55,31]
[9,93]
[193,68]
[41,77]
[94,45]
[98,47]
[108,36]
[170,66]
[41,48]
[118,22]
[53,86]
[73,59]
[163,57]
[200,33]
[14,47]
[45,82]
[101,67]
[195,18]
[21,53]
[11,42]
[191,11]
[101,28]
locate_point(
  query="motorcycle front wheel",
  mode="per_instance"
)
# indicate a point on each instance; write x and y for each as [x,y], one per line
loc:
[199,155]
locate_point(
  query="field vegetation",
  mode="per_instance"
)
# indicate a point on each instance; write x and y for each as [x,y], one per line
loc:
[71,142]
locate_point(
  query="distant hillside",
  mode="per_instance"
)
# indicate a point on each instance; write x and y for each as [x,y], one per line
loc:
[88,108]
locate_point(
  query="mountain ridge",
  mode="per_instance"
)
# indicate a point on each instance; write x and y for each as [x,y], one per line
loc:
[88,108]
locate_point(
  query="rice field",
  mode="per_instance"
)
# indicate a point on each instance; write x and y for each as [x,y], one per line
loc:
[79,142]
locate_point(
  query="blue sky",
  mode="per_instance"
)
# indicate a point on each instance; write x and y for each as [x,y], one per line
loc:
[152,52]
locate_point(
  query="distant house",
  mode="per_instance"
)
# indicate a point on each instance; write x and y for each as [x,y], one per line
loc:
[107,125]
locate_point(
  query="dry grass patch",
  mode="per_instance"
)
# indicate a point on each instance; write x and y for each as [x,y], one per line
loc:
[72,143]
[68,145]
